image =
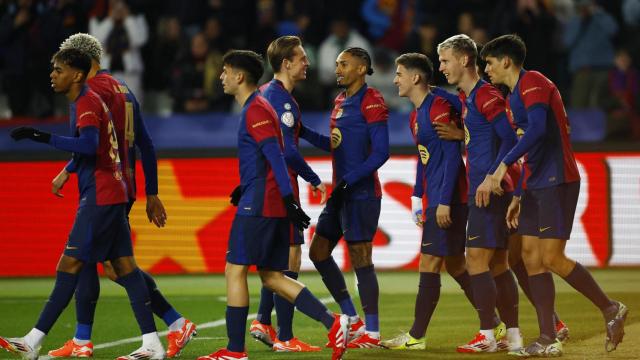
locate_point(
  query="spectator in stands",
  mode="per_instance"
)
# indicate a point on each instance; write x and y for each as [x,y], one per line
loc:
[389,22]
[588,38]
[424,39]
[195,87]
[122,34]
[342,36]
[536,25]
[623,115]
[385,71]
[167,48]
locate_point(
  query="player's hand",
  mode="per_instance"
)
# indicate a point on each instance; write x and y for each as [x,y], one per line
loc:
[296,215]
[58,182]
[443,216]
[494,184]
[449,131]
[155,211]
[323,192]
[338,193]
[26,132]
[513,212]
[235,195]
[483,193]
[416,211]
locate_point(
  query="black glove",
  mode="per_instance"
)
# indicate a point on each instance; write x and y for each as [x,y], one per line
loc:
[235,196]
[26,132]
[295,213]
[338,193]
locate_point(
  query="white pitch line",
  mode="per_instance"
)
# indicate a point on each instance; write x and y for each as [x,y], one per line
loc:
[207,325]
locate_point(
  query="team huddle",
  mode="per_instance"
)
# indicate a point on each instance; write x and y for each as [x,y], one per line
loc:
[508,211]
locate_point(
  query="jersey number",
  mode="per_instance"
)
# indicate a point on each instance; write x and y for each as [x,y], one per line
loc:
[129,133]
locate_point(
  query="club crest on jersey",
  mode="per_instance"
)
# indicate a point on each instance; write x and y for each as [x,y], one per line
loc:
[287,106]
[287,118]
[338,113]
[336,138]
[424,154]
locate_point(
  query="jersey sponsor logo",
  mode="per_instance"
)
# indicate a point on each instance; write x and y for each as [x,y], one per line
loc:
[424,154]
[336,138]
[373,106]
[287,118]
[86,113]
[440,117]
[545,228]
[467,136]
[471,238]
[71,247]
[287,106]
[260,123]
[526,91]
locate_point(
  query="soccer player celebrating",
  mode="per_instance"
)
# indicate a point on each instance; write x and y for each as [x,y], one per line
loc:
[131,133]
[266,207]
[289,63]
[551,186]
[440,166]
[486,125]
[359,145]
[100,231]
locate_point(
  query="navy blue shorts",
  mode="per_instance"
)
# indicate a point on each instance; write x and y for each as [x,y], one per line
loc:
[445,242]
[260,241]
[296,237]
[548,213]
[356,220]
[99,233]
[487,227]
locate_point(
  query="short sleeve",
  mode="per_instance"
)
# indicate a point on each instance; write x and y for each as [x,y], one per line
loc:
[88,112]
[373,107]
[489,102]
[260,122]
[440,111]
[535,89]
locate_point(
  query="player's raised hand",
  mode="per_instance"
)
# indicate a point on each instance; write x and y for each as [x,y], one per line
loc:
[416,211]
[155,211]
[26,132]
[449,131]
[443,216]
[513,212]
[58,182]
[234,197]
[483,193]
[323,192]
[296,215]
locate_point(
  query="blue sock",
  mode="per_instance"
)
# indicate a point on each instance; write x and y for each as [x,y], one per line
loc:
[334,281]
[138,294]
[369,293]
[159,305]
[313,308]
[284,311]
[426,302]
[58,300]
[236,326]
[484,297]
[87,293]
[266,306]
[507,300]
[543,292]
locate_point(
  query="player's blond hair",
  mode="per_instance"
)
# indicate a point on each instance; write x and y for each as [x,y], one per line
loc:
[85,43]
[461,44]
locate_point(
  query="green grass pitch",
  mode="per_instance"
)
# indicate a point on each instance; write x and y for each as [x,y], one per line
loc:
[202,299]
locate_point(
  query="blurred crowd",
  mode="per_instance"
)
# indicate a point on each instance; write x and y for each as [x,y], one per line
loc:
[169,52]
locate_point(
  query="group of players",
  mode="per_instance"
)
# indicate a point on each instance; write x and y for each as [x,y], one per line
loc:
[486,220]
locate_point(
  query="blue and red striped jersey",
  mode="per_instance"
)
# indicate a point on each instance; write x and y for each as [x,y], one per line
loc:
[359,141]
[549,159]
[485,121]
[259,125]
[99,176]
[440,164]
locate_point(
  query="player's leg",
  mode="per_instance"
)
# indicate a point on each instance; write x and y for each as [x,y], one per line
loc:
[507,301]
[328,232]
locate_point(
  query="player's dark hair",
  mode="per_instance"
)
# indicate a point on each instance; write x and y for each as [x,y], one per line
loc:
[419,62]
[510,46]
[246,61]
[363,55]
[280,49]
[73,58]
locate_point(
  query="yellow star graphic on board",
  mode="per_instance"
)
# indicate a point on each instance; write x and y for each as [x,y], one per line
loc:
[178,240]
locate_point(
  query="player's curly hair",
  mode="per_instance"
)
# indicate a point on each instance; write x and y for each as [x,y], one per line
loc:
[85,43]
[461,44]
[363,55]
